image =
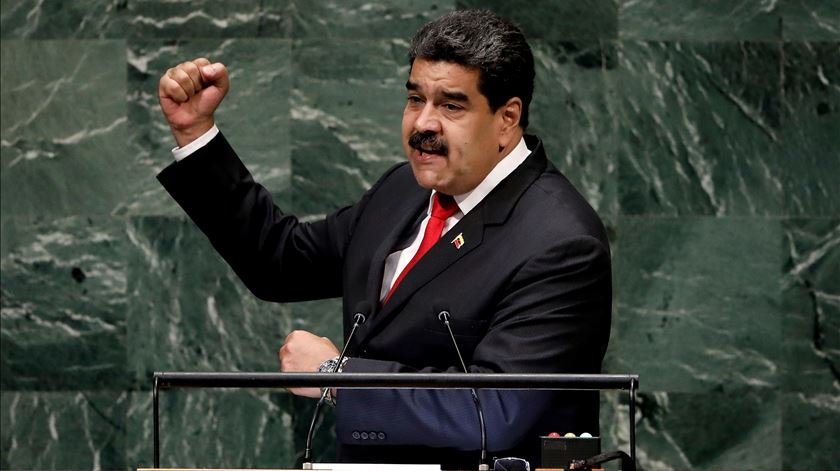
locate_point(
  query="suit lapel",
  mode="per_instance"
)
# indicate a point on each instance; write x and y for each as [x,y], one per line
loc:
[416,204]
[443,254]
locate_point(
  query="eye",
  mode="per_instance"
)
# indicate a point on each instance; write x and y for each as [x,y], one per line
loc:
[414,99]
[451,107]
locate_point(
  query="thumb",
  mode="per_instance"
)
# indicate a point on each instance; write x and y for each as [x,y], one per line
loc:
[216,75]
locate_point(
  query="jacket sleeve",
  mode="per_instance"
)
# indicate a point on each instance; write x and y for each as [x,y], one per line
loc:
[277,257]
[553,318]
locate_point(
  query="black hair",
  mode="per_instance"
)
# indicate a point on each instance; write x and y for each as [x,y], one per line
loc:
[483,40]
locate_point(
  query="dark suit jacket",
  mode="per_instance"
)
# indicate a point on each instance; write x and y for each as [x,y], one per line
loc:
[529,291]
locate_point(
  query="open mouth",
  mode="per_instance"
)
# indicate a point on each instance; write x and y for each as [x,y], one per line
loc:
[429,151]
[427,155]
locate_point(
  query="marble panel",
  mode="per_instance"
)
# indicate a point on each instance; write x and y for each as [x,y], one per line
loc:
[699,128]
[189,311]
[357,19]
[812,20]
[809,431]
[699,20]
[63,127]
[227,428]
[190,19]
[79,19]
[63,430]
[811,306]
[811,118]
[569,113]
[346,113]
[254,116]
[687,431]
[63,304]
[556,20]
[322,317]
[697,303]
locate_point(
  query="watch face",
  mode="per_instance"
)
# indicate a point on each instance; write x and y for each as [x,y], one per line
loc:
[328,366]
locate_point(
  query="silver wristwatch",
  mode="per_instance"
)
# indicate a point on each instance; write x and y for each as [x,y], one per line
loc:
[331,366]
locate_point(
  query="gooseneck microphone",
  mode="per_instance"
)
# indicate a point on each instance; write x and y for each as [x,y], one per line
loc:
[444,317]
[358,319]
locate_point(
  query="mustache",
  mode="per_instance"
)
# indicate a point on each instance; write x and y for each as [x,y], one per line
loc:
[428,142]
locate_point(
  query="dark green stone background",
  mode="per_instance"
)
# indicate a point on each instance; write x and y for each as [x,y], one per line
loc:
[705,132]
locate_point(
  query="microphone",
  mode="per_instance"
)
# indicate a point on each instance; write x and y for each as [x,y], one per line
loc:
[444,316]
[358,319]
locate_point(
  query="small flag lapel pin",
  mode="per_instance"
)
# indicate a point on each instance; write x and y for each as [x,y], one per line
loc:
[458,241]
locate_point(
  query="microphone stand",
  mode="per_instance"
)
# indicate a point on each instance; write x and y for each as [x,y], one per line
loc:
[307,452]
[482,464]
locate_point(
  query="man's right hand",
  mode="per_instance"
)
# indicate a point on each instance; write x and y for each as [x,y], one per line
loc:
[189,94]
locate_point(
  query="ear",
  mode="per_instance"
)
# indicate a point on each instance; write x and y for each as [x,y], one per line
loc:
[508,115]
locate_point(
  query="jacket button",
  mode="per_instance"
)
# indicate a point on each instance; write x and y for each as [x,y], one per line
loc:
[364,435]
[382,435]
[372,435]
[356,435]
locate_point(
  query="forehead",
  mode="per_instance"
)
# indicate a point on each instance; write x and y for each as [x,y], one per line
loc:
[430,76]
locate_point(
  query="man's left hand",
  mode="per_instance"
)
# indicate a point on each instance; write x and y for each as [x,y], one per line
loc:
[303,352]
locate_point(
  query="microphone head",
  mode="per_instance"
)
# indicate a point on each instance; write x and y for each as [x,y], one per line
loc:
[361,312]
[440,310]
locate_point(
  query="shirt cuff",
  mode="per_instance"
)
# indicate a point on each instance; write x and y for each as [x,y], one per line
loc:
[182,152]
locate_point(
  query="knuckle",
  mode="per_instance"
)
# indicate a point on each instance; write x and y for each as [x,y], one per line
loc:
[171,88]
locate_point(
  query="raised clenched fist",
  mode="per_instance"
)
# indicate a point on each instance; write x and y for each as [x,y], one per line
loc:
[189,94]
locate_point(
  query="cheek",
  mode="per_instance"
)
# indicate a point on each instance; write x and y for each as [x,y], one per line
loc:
[406,124]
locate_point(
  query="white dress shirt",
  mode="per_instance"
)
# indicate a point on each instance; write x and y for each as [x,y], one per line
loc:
[181,152]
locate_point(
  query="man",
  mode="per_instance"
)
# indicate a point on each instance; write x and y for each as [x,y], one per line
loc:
[522,264]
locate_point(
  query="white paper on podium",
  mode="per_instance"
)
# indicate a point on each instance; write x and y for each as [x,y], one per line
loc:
[376,467]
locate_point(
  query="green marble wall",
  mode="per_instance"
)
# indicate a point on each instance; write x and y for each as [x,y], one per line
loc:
[704,132]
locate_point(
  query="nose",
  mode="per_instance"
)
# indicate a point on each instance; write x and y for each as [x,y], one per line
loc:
[428,120]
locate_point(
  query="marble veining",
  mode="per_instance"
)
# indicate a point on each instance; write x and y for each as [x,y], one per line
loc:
[704,21]
[188,311]
[811,116]
[236,429]
[43,154]
[811,301]
[569,113]
[699,126]
[62,306]
[677,293]
[667,427]
[61,430]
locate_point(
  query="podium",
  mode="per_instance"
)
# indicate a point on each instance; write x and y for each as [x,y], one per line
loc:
[580,382]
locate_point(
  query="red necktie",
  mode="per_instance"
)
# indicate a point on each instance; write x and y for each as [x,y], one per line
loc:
[443,207]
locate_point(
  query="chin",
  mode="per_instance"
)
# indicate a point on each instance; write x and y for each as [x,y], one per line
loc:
[427,179]
[424,181]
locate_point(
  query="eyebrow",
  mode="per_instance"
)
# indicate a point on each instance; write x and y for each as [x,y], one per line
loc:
[456,96]
[449,95]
